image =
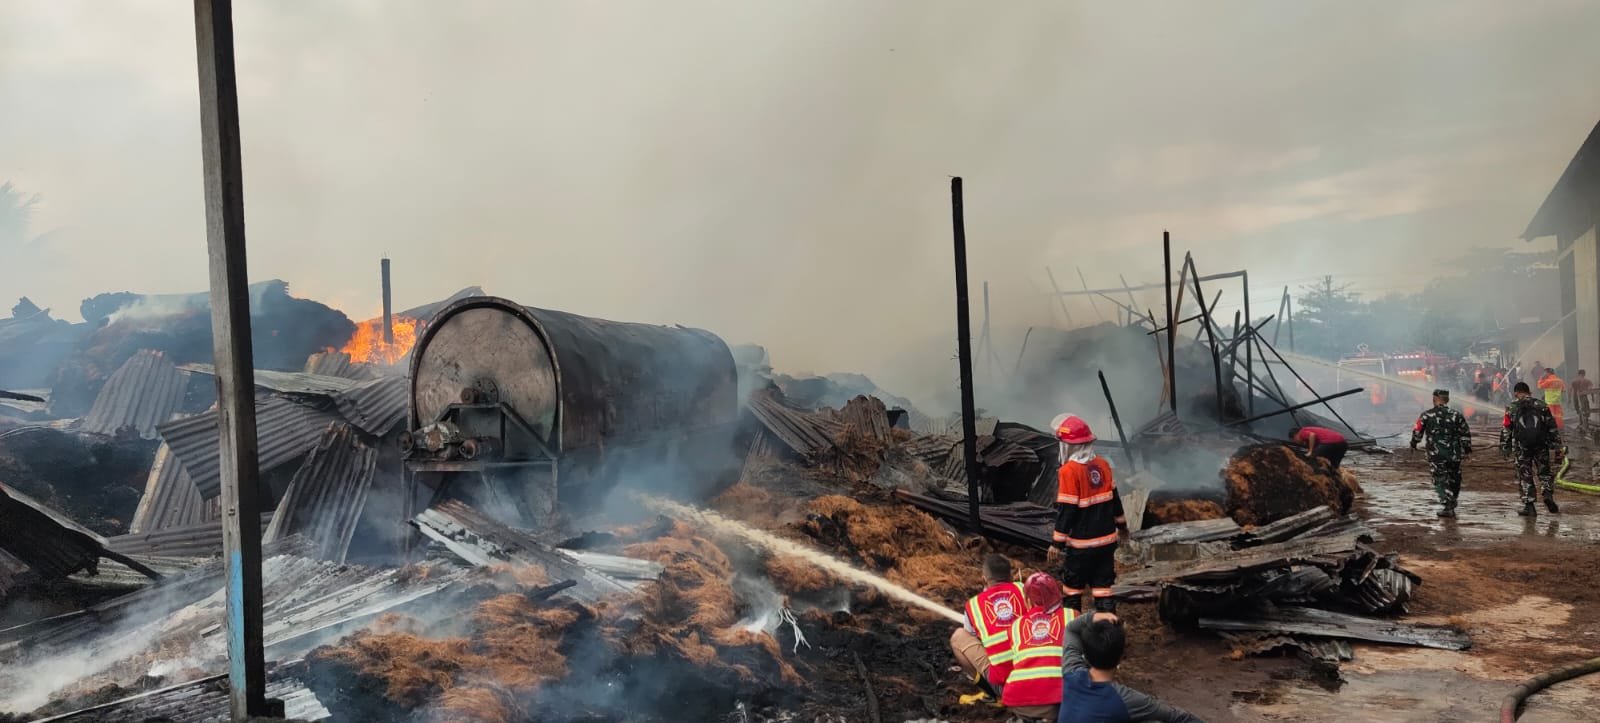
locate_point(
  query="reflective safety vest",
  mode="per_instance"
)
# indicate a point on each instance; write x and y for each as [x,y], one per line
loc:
[991,613]
[1036,648]
[1552,386]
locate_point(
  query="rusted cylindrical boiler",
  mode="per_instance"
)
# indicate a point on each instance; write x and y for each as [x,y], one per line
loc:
[546,411]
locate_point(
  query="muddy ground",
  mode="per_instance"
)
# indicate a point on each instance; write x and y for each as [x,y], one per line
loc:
[1527,590]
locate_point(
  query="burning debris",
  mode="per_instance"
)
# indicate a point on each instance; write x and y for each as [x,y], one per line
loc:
[1268,482]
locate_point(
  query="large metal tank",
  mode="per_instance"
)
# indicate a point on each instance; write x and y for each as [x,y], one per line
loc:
[528,412]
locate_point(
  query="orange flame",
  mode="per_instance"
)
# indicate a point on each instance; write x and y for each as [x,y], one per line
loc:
[367,346]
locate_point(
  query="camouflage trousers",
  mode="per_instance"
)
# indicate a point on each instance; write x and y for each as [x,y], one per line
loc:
[1529,464]
[1446,480]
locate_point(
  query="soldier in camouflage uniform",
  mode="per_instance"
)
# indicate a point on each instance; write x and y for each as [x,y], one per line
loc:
[1530,432]
[1449,440]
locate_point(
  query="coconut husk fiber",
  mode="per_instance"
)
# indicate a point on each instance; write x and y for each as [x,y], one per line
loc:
[690,611]
[1167,512]
[877,536]
[1268,482]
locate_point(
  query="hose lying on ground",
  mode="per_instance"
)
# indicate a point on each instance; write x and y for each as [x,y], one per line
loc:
[1564,483]
[1508,708]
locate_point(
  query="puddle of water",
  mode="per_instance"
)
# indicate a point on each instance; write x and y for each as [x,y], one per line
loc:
[1398,491]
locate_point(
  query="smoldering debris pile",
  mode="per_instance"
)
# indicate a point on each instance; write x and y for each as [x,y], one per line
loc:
[1310,582]
[674,651]
[1267,482]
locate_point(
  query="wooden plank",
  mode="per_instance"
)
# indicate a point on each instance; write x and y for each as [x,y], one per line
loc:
[1311,621]
[230,324]
[1232,566]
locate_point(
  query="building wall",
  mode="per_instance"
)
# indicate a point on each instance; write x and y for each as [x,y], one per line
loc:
[1567,265]
[1586,287]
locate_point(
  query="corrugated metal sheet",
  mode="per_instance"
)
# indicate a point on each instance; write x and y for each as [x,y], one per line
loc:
[805,433]
[202,539]
[337,364]
[376,406]
[44,539]
[327,493]
[144,392]
[482,541]
[285,431]
[201,701]
[170,498]
[305,602]
[290,382]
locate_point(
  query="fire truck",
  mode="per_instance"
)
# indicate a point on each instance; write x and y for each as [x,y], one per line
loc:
[1422,367]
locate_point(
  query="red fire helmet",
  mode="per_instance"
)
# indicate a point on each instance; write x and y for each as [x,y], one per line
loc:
[1042,589]
[1072,430]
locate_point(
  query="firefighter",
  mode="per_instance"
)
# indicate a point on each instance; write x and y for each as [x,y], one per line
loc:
[1529,431]
[983,645]
[1033,686]
[1449,440]
[1553,389]
[1089,517]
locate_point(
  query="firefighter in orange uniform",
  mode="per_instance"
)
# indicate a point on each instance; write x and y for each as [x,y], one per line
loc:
[1033,687]
[983,645]
[1553,389]
[1088,517]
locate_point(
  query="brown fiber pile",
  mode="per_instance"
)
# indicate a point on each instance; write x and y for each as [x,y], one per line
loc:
[1167,512]
[1268,482]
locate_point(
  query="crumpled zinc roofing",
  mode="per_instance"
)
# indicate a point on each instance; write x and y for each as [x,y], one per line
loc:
[43,539]
[144,392]
[285,431]
[327,494]
[170,499]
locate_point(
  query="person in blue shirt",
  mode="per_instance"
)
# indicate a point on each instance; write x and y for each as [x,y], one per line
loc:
[1089,691]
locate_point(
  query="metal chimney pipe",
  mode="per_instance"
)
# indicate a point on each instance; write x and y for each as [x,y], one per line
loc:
[388,316]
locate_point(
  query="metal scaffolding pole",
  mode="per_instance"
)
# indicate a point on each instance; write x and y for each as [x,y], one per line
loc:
[969,424]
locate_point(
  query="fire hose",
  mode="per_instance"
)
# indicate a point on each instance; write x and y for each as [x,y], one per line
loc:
[1567,484]
[1509,707]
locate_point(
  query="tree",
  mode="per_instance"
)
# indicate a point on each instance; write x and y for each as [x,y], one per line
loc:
[1327,318]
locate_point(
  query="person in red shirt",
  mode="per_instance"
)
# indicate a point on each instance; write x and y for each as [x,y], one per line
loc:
[1089,518]
[1322,442]
[983,644]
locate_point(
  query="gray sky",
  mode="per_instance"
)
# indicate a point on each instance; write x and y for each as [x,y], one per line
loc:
[777,172]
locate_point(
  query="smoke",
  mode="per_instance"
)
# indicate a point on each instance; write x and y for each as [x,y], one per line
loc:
[778,174]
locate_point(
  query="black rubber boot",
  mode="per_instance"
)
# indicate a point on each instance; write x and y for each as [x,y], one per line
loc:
[1528,511]
[1447,512]
[1550,504]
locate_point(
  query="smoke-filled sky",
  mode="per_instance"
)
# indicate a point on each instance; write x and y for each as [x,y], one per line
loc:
[778,172]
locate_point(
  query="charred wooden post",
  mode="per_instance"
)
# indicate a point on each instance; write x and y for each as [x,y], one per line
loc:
[969,424]
[1249,352]
[388,315]
[1172,331]
[1116,421]
[1283,310]
[1303,383]
[232,354]
[1205,325]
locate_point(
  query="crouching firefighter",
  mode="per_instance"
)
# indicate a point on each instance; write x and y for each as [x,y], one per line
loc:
[1088,518]
[983,644]
[1033,686]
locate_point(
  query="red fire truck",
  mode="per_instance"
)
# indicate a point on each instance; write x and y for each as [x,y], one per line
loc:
[1423,368]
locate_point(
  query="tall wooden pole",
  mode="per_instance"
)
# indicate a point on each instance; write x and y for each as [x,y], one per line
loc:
[232,356]
[969,422]
[1249,351]
[1172,329]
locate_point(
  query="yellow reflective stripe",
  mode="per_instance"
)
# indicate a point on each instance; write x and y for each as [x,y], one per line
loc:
[1052,651]
[976,618]
[1003,656]
[1033,674]
[995,639]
